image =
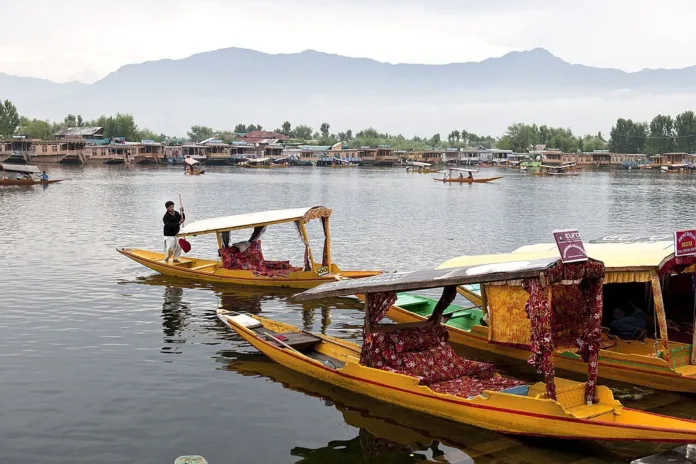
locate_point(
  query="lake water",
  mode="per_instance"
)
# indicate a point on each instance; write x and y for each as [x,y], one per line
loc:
[103,361]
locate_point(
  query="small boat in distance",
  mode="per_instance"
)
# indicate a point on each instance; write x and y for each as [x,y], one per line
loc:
[192,167]
[243,263]
[23,175]
[340,163]
[421,168]
[413,366]
[565,169]
[448,176]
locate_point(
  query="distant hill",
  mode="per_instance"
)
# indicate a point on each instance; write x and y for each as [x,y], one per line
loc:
[223,87]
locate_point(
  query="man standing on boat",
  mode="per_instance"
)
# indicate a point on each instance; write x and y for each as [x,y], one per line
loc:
[172,222]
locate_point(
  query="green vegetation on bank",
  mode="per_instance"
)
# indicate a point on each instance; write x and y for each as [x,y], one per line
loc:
[662,135]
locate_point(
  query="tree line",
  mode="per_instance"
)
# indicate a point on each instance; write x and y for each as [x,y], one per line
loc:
[662,134]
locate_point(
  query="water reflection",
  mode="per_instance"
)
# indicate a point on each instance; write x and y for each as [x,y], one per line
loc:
[174,313]
[390,434]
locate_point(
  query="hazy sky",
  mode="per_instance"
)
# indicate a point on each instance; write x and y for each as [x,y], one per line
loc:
[86,39]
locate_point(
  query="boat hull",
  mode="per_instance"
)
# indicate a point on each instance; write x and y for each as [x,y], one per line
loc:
[197,172]
[644,370]
[210,271]
[498,411]
[469,181]
[28,182]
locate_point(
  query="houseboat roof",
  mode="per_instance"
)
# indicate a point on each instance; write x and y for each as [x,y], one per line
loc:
[78,131]
[249,220]
[432,278]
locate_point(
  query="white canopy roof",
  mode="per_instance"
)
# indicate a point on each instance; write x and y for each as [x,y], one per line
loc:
[25,168]
[418,163]
[250,220]
[463,169]
[258,160]
[191,161]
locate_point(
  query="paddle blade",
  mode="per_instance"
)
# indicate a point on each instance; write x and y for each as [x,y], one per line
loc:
[185,245]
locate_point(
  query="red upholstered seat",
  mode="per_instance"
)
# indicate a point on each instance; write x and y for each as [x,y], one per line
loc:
[252,259]
[467,386]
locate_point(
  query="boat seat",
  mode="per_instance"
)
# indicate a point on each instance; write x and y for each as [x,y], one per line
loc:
[204,266]
[298,340]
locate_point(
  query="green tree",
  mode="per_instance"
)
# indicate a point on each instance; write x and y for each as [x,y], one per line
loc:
[628,136]
[302,132]
[324,129]
[240,129]
[519,137]
[349,134]
[9,119]
[685,128]
[36,128]
[435,140]
[661,138]
[199,133]
[286,128]
[254,127]
[226,136]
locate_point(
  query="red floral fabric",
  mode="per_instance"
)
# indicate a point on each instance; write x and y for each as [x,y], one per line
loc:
[539,314]
[573,320]
[377,305]
[677,264]
[466,387]
[252,260]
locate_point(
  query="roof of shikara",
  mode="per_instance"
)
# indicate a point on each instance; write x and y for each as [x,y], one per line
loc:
[433,278]
[23,168]
[618,252]
[249,220]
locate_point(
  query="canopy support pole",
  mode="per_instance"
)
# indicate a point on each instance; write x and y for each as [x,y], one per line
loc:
[448,295]
[219,240]
[660,313]
[326,261]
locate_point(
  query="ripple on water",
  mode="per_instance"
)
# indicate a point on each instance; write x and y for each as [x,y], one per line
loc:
[104,362]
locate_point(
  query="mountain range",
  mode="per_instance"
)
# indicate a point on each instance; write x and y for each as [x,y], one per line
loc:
[224,87]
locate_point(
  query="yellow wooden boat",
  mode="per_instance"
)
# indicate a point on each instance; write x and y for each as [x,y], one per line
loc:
[29,173]
[641,269]
[413,368]
[451,178]
[243,263]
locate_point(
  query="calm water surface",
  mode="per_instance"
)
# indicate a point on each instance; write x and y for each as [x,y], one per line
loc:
[103,361]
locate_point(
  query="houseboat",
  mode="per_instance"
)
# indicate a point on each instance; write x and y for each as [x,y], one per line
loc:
[19,150]
[64,151]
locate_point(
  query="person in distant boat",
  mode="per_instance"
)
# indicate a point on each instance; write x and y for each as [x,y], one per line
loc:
[44,176]
[471,176]
[172,223]
[461,175]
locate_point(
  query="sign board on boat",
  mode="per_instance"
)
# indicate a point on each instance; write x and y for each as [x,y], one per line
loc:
[685,243]
[570,246]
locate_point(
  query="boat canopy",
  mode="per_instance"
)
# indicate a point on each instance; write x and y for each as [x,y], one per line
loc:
[191,161]
[433,278]
[341,161]
[463,169]
[22,168]
[627,258]
[258,160]
[419,164]
[251,220]
[282,158]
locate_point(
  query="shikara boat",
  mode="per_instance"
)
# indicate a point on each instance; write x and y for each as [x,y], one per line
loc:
[243,263]
[262,163]
[421,168]
[465,180]
[565,169]
[192,167]
[29,175]
[640,270]
[413,366]
[340,163]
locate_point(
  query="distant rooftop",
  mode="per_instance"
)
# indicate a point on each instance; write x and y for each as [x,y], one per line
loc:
[78,131]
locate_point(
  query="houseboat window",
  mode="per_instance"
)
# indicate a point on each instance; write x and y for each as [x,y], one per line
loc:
[44,148]
[54,149]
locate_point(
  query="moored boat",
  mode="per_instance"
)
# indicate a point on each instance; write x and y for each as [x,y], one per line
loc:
[192,167]
[243,263]
[565,169]
[640,271]
[411,365]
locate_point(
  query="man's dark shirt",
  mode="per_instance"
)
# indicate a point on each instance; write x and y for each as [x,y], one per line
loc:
[171,223]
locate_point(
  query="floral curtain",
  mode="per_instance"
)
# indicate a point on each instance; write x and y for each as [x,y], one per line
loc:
[539,314]
[325,253]
[307,262]
[376,307]
[575,311]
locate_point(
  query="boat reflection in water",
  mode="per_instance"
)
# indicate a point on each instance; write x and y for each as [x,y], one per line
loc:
[390,434]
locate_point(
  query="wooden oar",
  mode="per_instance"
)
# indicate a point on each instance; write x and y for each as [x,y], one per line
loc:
[183,243]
